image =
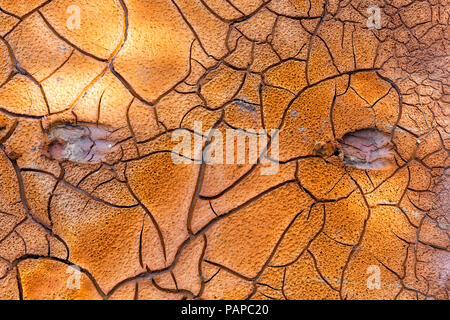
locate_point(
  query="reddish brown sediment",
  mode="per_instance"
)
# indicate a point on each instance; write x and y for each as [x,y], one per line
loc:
[358,207]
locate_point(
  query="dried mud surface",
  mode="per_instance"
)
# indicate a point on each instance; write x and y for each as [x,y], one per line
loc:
[87,180]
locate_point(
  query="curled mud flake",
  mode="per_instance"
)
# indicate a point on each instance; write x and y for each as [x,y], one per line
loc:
[326,149]
[367,149]
[83,143]
[245,105]
[12,154]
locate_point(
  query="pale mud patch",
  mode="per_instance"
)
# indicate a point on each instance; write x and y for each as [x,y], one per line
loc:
[79,143]
[368,149]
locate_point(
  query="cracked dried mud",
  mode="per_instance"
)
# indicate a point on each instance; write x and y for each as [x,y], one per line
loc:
[87,181]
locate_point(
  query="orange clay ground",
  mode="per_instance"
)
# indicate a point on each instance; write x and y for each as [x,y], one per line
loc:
[139,226]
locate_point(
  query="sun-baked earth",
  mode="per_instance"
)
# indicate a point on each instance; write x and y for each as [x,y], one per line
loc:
[359,208]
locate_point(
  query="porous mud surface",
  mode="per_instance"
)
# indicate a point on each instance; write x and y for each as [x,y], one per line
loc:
[359,208]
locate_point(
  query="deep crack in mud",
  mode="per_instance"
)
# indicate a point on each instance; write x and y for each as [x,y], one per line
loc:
[92,205]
